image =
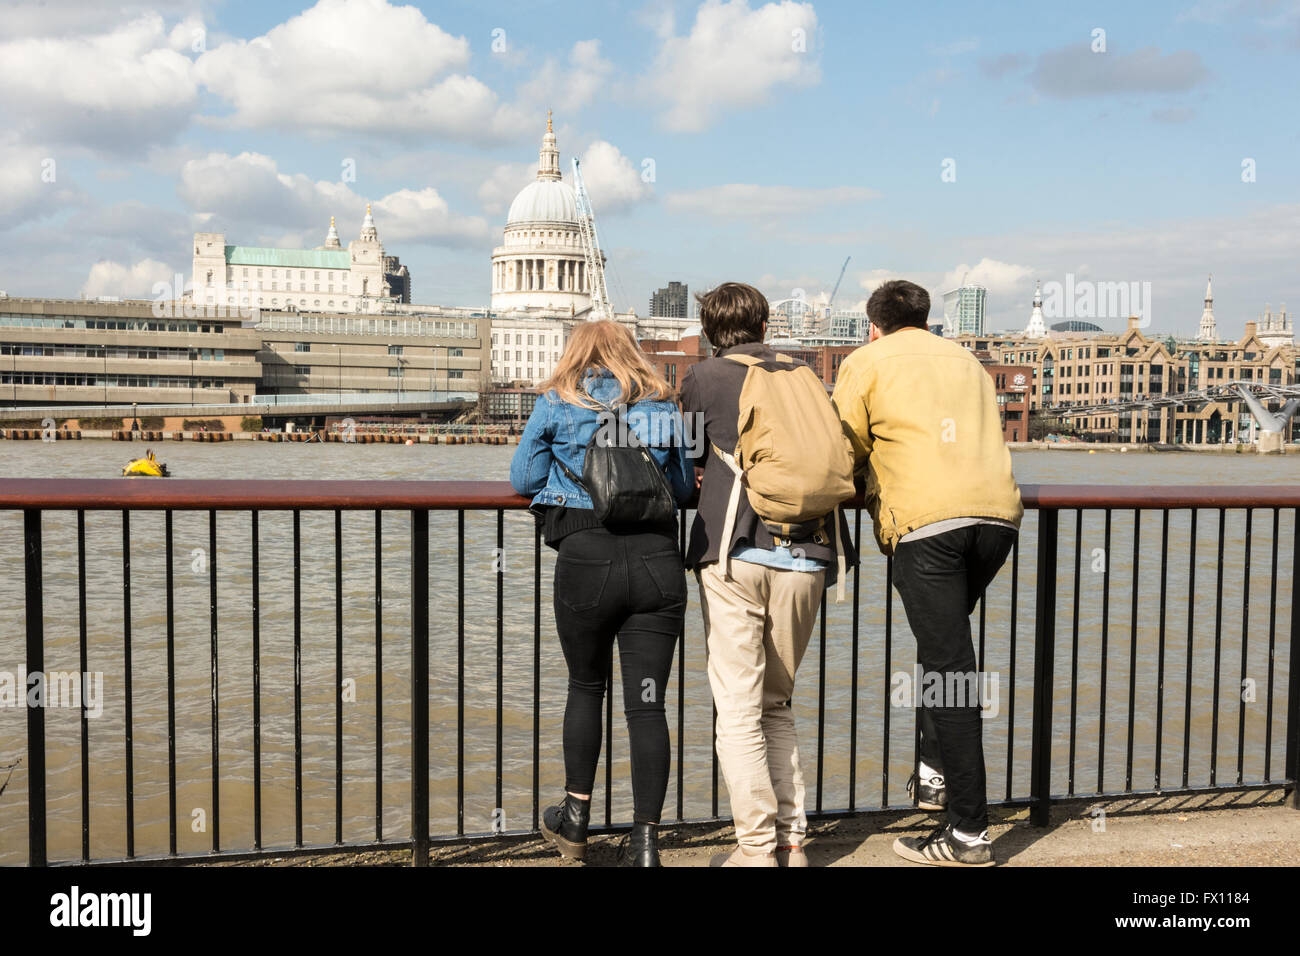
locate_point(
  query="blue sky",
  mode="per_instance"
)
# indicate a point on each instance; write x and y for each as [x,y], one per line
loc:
[782,138]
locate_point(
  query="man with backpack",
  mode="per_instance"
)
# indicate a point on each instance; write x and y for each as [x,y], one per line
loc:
[768,538]
[922,415]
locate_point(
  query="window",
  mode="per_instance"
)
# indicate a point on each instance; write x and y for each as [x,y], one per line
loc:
[395,373]
[459,353]
[301,370]
[302,346]
[455,373]
[394,350]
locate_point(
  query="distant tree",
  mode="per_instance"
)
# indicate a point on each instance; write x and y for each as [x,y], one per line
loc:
[1042,424]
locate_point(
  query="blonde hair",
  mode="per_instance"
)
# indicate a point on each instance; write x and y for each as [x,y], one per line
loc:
[605,344]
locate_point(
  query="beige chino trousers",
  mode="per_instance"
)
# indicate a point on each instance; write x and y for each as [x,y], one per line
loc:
[757,627]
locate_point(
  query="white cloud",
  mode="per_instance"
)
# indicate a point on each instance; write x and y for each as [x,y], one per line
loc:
[249,192]
[503,184]
[26,189]
[42,18]
[611,179]
[120,90]
[733,57]
[126,281]
[659,17]
[356,66]
[421,215]
[567,87]
[748,201]
[1000,278]
[1005,282]
[872,279]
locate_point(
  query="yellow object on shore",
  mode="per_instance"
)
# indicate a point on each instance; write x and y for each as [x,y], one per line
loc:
[146,467]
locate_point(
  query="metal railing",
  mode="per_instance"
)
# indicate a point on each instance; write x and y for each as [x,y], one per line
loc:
[409,396]
[853,665]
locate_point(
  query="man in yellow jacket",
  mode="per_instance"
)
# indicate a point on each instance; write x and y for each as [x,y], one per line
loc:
[923,418]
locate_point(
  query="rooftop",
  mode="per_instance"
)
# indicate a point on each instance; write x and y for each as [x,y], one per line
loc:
[288,258]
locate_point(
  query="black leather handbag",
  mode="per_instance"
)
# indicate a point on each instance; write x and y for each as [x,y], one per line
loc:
[626,485]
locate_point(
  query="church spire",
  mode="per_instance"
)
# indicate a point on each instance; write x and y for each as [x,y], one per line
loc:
[368,230]
[332,237]
[548,163]
[1036,329]
[1208,332]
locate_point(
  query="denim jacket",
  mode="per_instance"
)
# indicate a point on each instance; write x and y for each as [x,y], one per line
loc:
[558,431]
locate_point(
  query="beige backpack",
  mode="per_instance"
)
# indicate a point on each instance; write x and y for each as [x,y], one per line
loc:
[792,456]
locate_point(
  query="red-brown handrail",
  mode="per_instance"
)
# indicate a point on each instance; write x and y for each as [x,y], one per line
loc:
[137,494]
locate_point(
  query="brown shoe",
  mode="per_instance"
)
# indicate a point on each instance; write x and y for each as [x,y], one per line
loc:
[791,856]
[740,857]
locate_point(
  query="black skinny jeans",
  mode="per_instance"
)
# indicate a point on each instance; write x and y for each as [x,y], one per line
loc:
[631,587]
[940,579]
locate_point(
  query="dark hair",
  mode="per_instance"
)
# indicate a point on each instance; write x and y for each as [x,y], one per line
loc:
[732,314]
[899,304]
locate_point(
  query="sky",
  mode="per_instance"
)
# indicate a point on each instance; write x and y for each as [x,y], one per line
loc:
[1151,144]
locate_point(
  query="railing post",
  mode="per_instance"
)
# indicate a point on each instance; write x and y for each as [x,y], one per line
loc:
[1040,773]
[420,687]
[1293,679]
[35,665]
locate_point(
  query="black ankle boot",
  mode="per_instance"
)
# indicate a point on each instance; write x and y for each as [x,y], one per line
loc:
[640,847]
[565,825]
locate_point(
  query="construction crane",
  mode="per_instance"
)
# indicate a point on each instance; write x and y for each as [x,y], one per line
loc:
[831,301]
[600,307]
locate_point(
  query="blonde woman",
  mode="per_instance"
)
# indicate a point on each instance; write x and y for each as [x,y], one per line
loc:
[625,584]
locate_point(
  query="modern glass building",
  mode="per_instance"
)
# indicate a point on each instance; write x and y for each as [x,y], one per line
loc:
[964,310]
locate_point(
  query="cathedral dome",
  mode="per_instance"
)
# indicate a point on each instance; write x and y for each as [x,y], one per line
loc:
[544,200]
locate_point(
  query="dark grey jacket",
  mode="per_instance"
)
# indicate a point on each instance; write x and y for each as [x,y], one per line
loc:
[711,395]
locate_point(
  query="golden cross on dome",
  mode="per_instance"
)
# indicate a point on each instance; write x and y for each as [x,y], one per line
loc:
[548,122]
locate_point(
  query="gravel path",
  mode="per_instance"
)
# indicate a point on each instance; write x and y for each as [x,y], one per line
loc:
[1247,828]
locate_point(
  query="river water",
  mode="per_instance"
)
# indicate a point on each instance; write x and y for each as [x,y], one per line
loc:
[1246,619]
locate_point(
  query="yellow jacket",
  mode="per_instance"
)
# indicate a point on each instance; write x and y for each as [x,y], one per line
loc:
[923,418]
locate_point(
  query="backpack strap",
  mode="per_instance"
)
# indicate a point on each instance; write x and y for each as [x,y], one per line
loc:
[841,562]
[733,506]
[565,468]
[752,360]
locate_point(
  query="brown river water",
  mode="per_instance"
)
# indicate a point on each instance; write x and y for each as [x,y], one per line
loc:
[1247,615]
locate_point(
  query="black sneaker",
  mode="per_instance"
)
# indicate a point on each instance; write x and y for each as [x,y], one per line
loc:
[942,848]
[930,794]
